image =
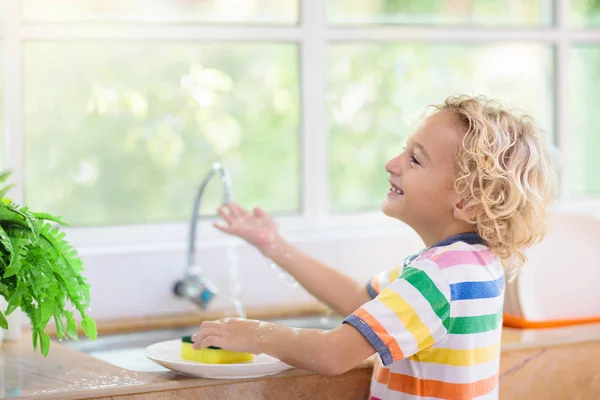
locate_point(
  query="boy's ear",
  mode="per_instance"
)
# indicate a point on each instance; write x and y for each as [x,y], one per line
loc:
[459,211]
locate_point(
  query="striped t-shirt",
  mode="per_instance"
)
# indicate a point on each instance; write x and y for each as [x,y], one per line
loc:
[436,323]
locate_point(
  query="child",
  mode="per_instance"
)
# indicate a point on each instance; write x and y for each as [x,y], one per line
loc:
[474,182]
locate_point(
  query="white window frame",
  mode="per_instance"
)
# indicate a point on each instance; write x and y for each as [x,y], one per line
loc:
[312,35]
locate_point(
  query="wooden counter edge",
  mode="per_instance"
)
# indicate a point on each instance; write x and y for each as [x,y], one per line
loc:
[152,322]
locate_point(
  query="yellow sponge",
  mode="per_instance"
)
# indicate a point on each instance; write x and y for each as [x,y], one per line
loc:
[212,355]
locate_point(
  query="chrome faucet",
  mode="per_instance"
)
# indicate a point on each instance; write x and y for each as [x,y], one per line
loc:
[194,285]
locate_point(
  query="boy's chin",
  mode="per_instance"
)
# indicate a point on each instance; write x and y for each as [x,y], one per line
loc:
[391,210]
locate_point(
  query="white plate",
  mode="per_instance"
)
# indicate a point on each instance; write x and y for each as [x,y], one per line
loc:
[168,354]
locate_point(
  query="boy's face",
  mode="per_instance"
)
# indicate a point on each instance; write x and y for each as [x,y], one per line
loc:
[422,178]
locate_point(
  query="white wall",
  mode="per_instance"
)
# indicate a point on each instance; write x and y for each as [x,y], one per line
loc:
[140,283]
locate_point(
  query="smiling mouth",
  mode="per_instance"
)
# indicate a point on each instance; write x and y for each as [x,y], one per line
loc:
[395,189]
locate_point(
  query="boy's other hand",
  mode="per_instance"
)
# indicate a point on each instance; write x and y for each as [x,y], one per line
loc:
[257,227]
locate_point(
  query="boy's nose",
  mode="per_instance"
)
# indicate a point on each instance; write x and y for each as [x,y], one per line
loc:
[394,166]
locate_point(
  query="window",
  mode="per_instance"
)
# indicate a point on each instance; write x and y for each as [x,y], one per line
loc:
[585,13]
[584,94]
[440,12]
[2,138]
[122,106]
[1,104]
[122,133]
[376,90]
[169,11]
[584,130]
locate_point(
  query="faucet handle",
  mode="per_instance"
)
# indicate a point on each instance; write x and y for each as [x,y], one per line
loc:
[197,289]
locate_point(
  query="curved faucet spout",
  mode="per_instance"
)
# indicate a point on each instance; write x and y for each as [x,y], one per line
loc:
[227,198]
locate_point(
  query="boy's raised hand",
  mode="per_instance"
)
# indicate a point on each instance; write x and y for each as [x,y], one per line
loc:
[257,228]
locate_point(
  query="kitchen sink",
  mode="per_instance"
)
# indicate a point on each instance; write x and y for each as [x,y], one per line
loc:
[127,350]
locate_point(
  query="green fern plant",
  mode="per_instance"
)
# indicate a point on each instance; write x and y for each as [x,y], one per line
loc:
[40,272]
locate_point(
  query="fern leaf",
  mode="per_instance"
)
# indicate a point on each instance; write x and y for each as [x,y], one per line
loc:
[11,214]
[89,327]
[34,339]
[15,299]
[3,321]
[18,254]
[29,220]
[60,325]
[5,241]
[62,248]
[44,343]
[8,215]
[47,308]
[71,325]
[49,217]
[5,190]
[4,176]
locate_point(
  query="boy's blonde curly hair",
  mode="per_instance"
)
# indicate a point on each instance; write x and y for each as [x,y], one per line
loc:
[503,171]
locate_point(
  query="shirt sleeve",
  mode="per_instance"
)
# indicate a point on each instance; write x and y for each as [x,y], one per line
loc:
[382,280]
[407,316]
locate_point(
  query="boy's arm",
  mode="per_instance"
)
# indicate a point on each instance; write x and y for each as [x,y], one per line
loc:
[329,286]
[324,352]
[338,291]
[408,316]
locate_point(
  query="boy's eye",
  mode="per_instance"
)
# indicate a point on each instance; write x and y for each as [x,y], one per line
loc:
[413,159]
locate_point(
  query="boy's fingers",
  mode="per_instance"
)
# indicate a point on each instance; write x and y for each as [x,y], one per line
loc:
[230,209]
[211,340]
[259,212]
[209,325]
[238,210]
[222,228]
[199,338]
[221,211]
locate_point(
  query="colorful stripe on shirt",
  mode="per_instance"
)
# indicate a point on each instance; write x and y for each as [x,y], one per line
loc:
[437,326]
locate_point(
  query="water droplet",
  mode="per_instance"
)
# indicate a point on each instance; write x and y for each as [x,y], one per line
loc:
[325,319]
[283,274]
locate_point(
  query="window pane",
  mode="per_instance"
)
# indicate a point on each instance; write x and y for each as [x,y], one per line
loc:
[442,12]
[1,110]
[585,13]
[376,93]
[214,11]
[123,133]
[584,138]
